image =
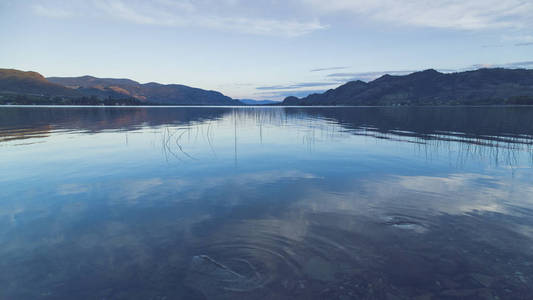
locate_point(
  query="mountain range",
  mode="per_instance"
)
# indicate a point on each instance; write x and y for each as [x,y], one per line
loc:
[430,87]
[15,84]
[480,87]
[258,102]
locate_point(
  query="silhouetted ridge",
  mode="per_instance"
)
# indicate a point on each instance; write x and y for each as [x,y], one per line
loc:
[430,87]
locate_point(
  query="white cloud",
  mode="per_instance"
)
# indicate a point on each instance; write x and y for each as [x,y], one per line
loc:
[72,189]
[227,15]
[121,10]
[299,17]
[512,65]
[424,196]
[369,76]
[366,76]
[456,14]
[51,12]
[520,40]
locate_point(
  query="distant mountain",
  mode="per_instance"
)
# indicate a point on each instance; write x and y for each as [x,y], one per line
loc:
[32,88]
[480,87]
[90,81]
[20,82]
[258,102]
[150,92]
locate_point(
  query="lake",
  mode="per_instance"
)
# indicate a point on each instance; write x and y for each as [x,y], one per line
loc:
[266,203]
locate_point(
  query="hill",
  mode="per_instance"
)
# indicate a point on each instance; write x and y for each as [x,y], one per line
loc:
[480,87]
[21,87]
[149,92]
[31,83]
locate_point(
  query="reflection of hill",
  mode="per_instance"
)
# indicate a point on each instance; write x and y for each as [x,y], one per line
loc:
[24,133]
[484,125]
[94,119]
[482,131]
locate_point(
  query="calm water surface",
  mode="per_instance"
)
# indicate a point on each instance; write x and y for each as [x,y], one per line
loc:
[266,203]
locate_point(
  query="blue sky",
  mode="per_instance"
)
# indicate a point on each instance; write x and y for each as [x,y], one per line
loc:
[262,49]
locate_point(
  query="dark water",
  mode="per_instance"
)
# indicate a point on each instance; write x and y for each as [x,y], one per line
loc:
[266,203]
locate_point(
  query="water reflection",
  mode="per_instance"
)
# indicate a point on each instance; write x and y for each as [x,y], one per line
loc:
[266,203]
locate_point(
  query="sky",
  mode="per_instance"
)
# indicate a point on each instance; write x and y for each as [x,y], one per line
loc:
[262,49]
